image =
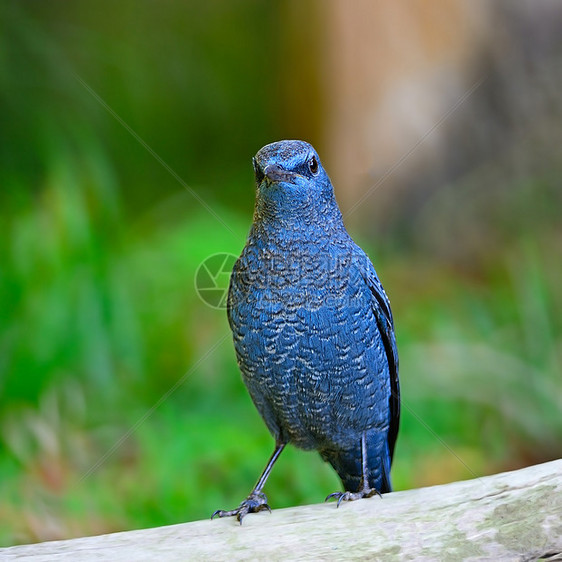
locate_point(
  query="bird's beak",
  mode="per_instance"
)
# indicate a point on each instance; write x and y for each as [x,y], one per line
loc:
[276,173]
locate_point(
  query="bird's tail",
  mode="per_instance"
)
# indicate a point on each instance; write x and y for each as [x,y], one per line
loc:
[347,463]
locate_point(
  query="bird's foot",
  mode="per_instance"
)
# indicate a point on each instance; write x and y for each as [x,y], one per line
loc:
[252,504]
[365,492]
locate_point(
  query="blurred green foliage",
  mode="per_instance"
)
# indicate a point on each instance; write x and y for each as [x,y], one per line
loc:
[121,405]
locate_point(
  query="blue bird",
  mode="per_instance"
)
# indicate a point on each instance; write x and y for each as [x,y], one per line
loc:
[313,330]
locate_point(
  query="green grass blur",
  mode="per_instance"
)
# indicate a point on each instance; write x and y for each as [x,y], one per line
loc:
[121,404]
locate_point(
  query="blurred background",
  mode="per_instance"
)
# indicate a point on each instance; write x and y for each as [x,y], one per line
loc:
[127,131]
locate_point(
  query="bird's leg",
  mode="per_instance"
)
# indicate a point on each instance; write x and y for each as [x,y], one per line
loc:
[364,490]
[257,500]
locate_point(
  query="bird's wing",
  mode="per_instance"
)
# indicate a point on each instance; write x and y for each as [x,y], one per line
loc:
[383,314]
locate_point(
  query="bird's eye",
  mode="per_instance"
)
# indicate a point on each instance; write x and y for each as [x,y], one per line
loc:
[313,165]
[257,171]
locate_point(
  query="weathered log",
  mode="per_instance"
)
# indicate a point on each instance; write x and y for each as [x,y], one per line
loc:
[510,516]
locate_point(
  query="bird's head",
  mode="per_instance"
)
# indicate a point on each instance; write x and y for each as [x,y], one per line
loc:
[291,182]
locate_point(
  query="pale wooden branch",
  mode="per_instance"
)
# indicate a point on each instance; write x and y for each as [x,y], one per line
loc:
[510,516]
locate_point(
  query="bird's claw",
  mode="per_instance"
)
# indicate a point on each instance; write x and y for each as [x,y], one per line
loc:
[254,503]
[352,496]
